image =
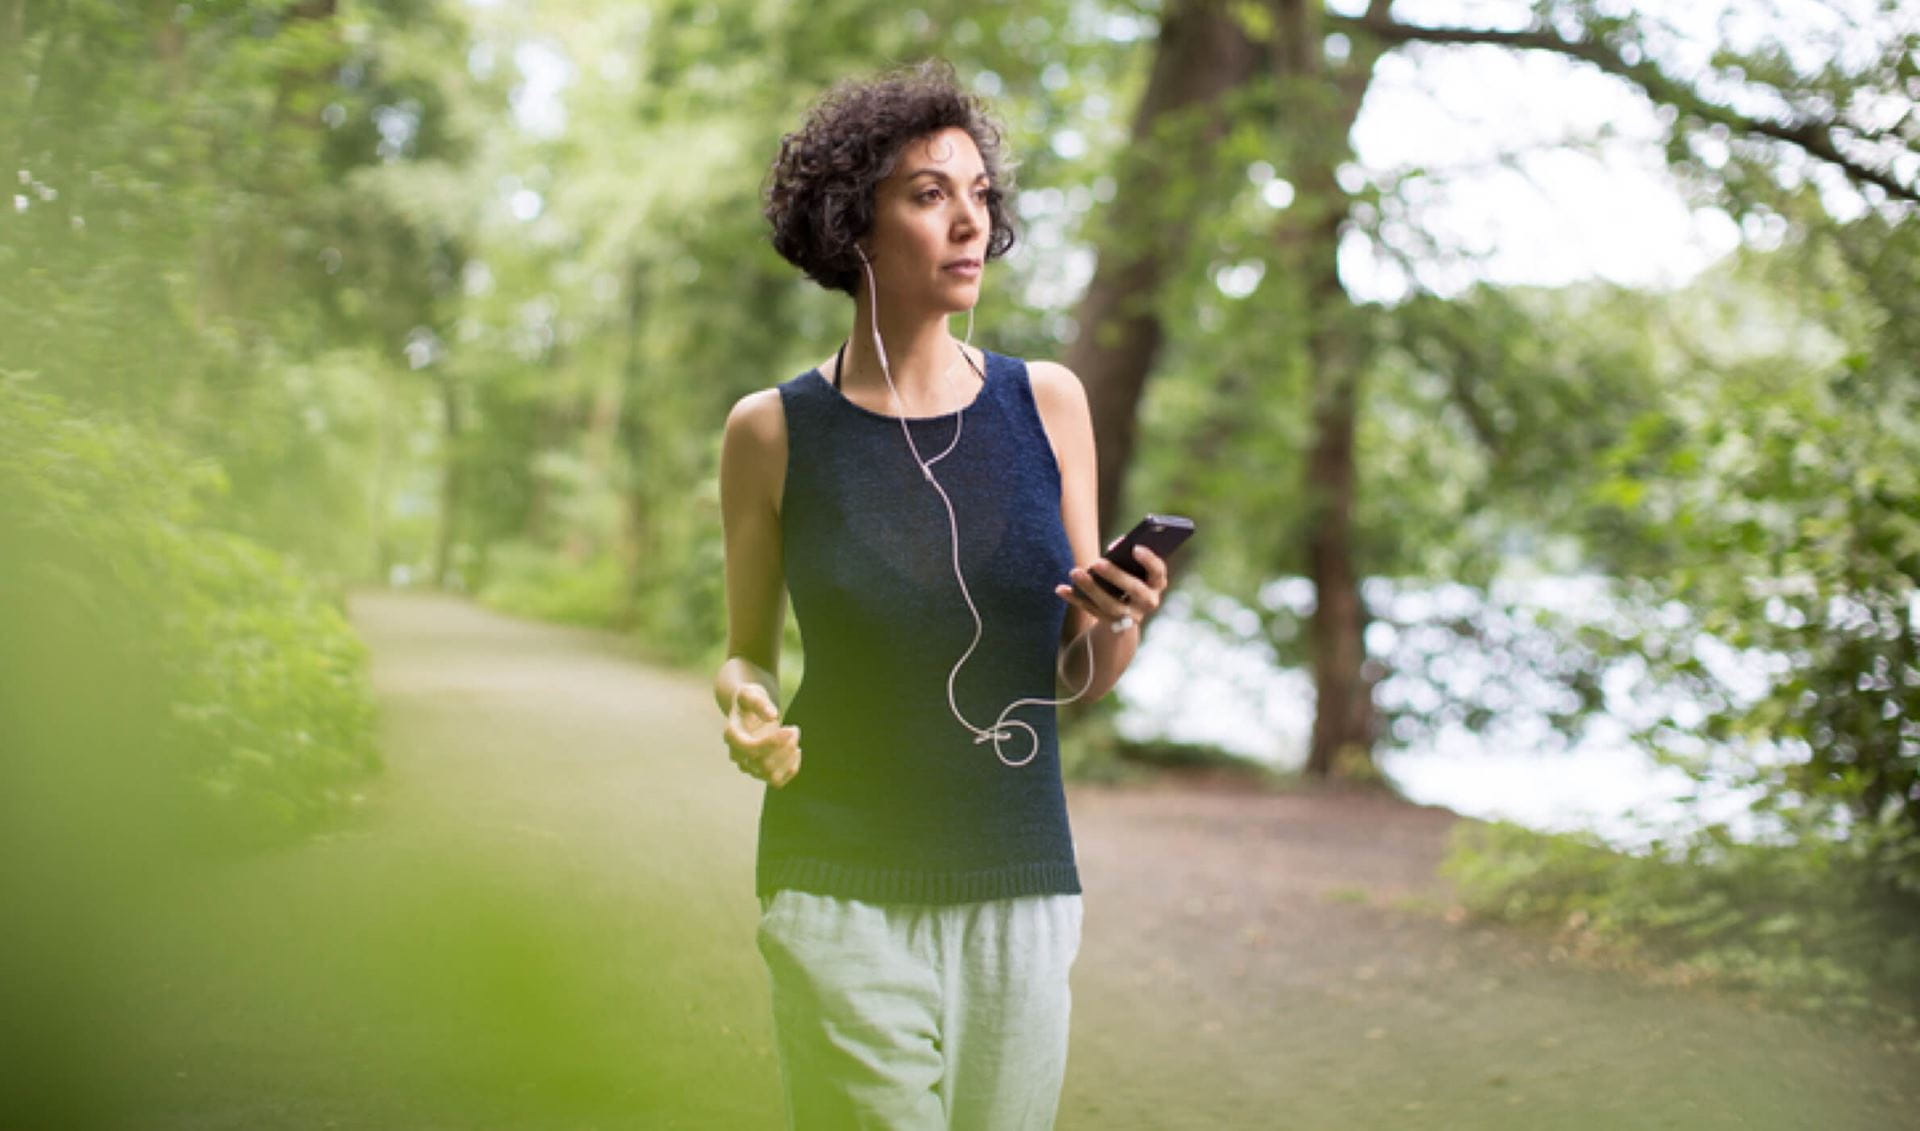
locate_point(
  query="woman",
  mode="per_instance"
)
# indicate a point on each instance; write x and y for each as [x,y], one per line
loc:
[924,502]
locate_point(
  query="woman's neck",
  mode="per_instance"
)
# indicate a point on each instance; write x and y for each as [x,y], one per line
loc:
[922,356]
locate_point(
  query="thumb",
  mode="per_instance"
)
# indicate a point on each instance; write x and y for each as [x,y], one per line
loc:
[753,700]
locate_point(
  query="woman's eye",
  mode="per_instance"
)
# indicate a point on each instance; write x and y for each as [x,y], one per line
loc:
[929,194]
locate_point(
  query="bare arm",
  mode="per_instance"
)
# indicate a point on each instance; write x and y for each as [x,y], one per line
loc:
[1062,401]
[747,686]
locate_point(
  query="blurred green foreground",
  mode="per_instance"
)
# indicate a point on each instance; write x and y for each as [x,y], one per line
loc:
[208,924]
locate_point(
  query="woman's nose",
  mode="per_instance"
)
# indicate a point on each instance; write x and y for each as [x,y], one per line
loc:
[971,214]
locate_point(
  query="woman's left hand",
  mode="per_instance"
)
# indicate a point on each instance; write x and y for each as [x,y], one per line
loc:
[1139,598]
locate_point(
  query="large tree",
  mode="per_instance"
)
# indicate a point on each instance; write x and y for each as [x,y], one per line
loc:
[1278,55]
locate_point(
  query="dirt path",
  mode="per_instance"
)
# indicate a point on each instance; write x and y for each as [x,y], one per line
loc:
[546,920]
[1288,961]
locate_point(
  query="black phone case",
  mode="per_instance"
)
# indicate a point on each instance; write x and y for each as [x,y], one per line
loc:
[1161,533]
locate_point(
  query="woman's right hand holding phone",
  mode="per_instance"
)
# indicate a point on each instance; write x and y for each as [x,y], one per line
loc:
[758,743]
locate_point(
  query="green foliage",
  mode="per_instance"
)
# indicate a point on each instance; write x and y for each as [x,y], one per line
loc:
[533,582]
[191,248]
[1804,922]
[261,716]
[1777,506]
[273,705]
[1753,497]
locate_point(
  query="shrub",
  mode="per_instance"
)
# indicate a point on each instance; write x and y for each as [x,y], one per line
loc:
[1807,922]
[147,652]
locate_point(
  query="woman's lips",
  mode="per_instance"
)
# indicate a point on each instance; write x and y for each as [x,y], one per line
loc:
[969,269]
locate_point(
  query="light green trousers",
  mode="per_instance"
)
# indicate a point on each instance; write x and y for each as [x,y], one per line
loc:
[913,1017]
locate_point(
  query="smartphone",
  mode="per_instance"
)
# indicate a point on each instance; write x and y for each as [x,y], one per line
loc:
[1161,533]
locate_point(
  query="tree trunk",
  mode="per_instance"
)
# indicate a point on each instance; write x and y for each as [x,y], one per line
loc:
[1202,53]
[1340,740]
[452,476]
[631,443]
[1318,128]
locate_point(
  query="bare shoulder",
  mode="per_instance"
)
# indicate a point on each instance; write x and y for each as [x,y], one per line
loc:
[1052,379]
[755,444]
[1062,405]
[758,417]
[1058,394]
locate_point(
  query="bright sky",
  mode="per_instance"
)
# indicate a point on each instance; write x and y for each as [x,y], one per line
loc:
[1549,214]
[1520,206]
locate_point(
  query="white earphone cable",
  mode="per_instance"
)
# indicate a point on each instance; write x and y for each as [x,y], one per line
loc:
[1001,726]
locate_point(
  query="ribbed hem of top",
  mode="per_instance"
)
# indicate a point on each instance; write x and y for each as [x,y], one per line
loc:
[905,885]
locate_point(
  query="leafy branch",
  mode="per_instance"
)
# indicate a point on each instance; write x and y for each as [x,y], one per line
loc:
[1815,135]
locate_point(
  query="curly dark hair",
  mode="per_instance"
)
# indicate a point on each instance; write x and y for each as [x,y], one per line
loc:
[819,195]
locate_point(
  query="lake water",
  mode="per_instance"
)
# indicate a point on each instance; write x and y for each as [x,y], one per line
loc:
[1193,682]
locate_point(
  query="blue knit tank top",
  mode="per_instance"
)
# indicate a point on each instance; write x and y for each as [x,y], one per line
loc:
[894,801]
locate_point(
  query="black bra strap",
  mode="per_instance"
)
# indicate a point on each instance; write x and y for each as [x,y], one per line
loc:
[839,361]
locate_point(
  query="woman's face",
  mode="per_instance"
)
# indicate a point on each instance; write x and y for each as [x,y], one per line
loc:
[928,245]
